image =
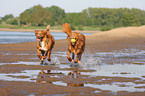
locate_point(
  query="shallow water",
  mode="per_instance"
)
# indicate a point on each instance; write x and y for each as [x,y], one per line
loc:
[115,87]
[106,70]
[110,67]
[18,37]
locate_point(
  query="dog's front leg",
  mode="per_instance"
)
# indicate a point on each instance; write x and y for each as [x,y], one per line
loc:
[68,56]
[49,53]
[38,54]
[40,57]
[73,55]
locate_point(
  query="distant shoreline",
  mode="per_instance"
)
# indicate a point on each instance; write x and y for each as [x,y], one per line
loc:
[33,30]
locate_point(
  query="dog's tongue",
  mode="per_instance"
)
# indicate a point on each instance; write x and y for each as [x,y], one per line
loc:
[38,39]
[73,43]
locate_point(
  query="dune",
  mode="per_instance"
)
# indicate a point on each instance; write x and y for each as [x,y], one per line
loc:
[125,37]
[120,33]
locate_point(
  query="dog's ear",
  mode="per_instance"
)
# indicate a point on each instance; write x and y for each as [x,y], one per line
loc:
[36,31]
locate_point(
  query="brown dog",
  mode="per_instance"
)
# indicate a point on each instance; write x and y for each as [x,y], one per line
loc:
[76,44]
[45,43]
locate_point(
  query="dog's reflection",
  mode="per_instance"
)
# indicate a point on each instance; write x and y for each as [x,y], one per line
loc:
[75,74]
[47,77]
[42,75]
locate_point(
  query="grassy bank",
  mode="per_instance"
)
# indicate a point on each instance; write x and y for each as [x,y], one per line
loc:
[58,27]
[28,27]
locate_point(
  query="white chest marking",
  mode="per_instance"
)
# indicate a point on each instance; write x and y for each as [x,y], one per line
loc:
[42,44]
[43,47]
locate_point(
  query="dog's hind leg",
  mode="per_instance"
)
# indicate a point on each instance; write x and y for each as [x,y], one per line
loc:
[80,55]
[43,57]
[78,58]
[45,54]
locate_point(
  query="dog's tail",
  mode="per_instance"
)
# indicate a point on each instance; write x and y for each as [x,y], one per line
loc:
[48,27]
[66,28]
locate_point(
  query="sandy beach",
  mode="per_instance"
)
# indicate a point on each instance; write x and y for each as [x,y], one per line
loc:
[126,38]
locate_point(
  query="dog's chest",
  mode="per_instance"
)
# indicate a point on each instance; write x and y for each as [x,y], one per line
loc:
[42,45]
[73,49]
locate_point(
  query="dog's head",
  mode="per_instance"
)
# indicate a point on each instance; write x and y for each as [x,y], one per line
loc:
[40,34]
[73,38]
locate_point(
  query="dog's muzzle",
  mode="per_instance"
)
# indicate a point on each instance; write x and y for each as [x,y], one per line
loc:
[73,40]
[39,38]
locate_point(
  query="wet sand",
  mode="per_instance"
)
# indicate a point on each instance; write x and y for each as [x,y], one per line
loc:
[110,41]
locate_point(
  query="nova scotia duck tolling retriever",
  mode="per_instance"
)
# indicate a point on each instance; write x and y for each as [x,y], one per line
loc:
[45,43]
[76,44]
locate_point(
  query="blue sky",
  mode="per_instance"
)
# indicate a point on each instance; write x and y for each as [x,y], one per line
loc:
[16,7]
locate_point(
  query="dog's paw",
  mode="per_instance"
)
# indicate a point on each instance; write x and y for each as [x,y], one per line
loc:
[79,62]
[69,59]
[72,60]
[49,60]
[44,57]
[76,61]
[41,62]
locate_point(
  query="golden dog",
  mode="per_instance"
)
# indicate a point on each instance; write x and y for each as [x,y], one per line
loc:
[45,43]
[76,44]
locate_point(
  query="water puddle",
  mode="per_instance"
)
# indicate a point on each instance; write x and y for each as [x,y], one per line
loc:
[55,61]
[129,86]
[121,70]
[30,74]
[23,62]
[107,74]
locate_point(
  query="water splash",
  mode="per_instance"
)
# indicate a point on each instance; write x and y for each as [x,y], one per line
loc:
[54,61]
[123,56]
[91,62]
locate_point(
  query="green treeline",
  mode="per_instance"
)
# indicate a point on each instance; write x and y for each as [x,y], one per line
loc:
[95,17]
